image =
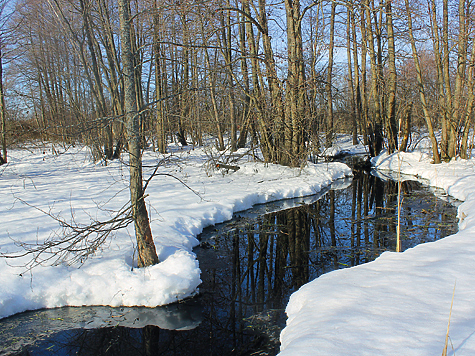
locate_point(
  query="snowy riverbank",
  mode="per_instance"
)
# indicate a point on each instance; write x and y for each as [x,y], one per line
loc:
[400,303]
[66,184]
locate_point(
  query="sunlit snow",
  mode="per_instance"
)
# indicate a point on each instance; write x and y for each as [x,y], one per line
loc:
[400,303]
[187,194]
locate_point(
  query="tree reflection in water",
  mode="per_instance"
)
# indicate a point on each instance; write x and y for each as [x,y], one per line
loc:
[250,266]
[272,256]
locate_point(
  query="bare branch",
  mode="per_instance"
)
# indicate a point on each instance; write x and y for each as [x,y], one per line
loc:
[74,243]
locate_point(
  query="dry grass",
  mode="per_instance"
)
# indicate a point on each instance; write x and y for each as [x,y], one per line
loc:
[444,352]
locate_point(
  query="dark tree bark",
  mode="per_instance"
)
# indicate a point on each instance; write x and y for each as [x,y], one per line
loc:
[147,254]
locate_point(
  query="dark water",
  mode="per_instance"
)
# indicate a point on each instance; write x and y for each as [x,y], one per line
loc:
[250,266]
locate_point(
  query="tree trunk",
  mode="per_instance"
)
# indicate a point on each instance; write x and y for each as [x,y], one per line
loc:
[276,140]
[464,152]
[226,51]
[245,120]
[212,79]
[329,121]
[364,93]
[458,118]
[350,76]
[117,127]
[3,119]
[358,92]
[450,144]
[160,112]
[267,145]
[435,149]
[97,89]
[296,91]
[147,254]
[440,78]
[405,127]
[391,127]
[375,139]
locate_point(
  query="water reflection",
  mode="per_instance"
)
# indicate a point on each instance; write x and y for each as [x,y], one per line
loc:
[87,330]
[252,264]
[271,256]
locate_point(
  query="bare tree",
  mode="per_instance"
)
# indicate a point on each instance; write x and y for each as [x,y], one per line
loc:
[3,119]
[391,127]
[147,254]
[435,149]
[3,114]
[331,48]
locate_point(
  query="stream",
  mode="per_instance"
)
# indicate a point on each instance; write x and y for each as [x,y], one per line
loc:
[250,267]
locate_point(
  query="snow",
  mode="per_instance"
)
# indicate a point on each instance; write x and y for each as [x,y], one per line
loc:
[187,195]
[400,303]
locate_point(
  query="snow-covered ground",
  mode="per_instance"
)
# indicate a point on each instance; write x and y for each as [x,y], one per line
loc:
[400,303]
[67,185]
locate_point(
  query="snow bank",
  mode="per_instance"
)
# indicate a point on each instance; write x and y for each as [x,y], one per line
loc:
[398,304]
[67,185]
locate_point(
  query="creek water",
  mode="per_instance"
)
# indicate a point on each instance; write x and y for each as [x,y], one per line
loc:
[250,266]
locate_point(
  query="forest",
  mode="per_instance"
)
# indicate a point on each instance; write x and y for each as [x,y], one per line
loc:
[284,76]
[281,77]
[99,97]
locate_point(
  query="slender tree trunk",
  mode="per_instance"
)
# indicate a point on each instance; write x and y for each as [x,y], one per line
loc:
[278,140]
[160,112]
[267,145]
[458,118]
[3,118]
[427,117]
[147,254]
[450,144]
[226,51]
[470,105]
[117,103]
[329,121]
[350,76]
[391,127]
[375,140]
[98,88]
[314,83]
[296,90]
[436,42]
[364,93]
[212,79]
[405,127]
[357,86]
[184,103]
[245,120]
